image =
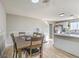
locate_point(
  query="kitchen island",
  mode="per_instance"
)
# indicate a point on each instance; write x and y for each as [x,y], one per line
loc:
[67,42]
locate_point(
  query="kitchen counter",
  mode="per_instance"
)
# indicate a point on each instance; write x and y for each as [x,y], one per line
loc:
[67,42]
[68,35]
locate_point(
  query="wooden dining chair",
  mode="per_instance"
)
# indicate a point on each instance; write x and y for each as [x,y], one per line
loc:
[36,34]
[38,44]
[14,46]
[22,33]
[15,49]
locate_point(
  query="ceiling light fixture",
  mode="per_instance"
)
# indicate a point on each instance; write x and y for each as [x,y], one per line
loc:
[45,1]
[62,14]
[35,1]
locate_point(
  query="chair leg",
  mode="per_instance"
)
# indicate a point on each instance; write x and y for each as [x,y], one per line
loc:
[13,53]
[20,53]
[16,54]
[41,52]
[30,52]
[26,54]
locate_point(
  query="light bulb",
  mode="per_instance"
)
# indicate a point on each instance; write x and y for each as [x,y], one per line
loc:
[35,1]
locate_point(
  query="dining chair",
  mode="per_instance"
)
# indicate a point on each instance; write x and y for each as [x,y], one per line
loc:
[22,33]
[15,49]
[14,45]
[38,45]
[36,34]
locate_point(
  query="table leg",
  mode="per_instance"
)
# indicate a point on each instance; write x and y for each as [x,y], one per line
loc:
[41,53]
[30,52]
[19,54]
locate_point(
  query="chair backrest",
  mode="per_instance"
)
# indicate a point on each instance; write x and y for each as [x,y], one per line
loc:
[36,34]
[39,40]
[22,33]
[14,42]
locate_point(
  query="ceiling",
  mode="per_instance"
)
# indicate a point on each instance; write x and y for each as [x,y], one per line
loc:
[46,11]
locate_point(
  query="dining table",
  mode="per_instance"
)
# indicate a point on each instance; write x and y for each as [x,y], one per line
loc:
[25,42]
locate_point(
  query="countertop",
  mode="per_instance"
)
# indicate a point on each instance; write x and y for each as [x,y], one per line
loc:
[67,35]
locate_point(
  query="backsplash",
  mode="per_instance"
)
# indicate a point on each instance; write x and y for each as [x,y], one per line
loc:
[68,27]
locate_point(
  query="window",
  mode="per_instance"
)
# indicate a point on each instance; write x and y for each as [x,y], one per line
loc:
[74,26]
[78,25]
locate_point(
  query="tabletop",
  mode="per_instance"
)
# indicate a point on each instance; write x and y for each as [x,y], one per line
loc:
[22,43]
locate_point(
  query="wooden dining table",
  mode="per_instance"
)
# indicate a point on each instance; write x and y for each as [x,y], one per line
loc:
[22,43]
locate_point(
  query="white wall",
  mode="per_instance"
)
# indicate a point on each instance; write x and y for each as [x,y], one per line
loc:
[2,26]
[20,23]
[2,18]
